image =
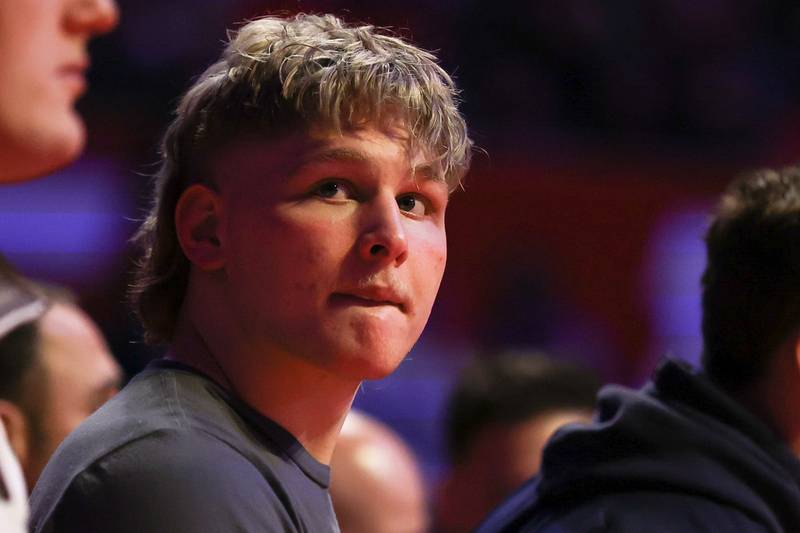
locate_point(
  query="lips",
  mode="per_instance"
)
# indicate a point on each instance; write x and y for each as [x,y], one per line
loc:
[74,75]
[370,297]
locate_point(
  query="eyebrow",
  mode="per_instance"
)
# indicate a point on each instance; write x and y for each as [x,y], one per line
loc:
[347,155]
[427,172]
[334,154]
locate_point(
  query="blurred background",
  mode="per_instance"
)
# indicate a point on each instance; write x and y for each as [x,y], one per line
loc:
[606,131]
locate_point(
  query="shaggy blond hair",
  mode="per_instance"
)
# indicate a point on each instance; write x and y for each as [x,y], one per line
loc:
[277,76]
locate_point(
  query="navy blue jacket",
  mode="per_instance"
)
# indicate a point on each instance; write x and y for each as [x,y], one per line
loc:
[678,456]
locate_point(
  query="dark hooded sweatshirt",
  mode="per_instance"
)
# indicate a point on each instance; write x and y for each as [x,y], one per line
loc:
[677,456]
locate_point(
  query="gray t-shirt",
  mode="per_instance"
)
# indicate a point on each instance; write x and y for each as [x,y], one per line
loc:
[175,453]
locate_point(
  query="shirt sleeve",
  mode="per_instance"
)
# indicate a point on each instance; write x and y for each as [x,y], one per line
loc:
[161,485]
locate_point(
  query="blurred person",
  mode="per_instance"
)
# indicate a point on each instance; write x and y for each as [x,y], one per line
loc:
[295,247]
[19,305]
[55,370]
[376,484]
[502,411]
[714,449]
[43,61]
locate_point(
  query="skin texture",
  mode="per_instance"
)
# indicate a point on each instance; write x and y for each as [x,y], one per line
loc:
[309,252]
[74,376]
[315,263]
[376,485]
[43,60]
[500,460]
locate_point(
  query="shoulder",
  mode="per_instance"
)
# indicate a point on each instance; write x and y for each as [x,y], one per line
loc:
[644,511]
[619,512]
[169,454]
[170,481]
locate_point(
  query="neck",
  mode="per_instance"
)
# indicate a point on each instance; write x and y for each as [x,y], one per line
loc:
[775,397]
[309,402]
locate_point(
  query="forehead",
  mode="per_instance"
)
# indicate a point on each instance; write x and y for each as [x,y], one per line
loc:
[285,155]
[70,339]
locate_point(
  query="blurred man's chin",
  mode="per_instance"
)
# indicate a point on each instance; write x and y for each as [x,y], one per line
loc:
[44,152]
[67,142]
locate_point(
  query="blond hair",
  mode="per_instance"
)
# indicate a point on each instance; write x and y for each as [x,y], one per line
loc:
[278,76]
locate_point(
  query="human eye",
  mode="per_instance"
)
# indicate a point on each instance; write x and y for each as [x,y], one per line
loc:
[333,190]
[415,204]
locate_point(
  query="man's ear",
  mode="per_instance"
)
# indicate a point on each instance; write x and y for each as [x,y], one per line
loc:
[198,220]
[17,430]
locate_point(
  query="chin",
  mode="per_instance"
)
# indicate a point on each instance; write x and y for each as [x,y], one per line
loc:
[373,365]
[368,349]
[67,143]
[39,154]
[376,372]
[47,150]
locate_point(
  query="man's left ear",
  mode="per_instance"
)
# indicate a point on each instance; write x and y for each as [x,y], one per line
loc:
[198,219]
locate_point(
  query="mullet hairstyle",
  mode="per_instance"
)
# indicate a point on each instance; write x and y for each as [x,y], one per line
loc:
[751,301]
[279,76]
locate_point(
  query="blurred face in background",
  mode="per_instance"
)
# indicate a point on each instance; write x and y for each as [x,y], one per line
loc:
[498,462]
[376,482]
[43,63]
[75,374]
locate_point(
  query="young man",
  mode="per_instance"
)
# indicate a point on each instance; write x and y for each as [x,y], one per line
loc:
[714,450]
[43,61]
[294,249]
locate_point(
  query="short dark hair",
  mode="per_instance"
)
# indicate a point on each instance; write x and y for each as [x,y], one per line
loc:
[19,351]
[510,388]
[751,285]
[21,306]
[23,379]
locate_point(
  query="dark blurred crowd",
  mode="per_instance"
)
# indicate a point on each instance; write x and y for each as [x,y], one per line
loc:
[714,76]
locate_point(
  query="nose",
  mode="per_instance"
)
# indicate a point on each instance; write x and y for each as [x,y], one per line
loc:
[383,240]
[92,17]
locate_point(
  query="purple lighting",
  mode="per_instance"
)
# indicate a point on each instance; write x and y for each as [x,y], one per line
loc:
[68,227]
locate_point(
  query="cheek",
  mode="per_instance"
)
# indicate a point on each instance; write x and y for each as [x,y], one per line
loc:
[314,250]
[429,265]
[432,258]
[290,261]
